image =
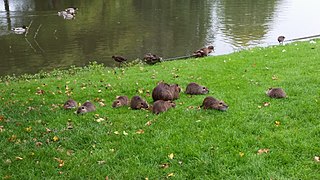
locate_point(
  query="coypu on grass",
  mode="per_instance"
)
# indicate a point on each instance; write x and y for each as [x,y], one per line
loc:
[138,103]
[162,106]
[203,51]
[121,101]
[86,107]
[213,103]
[166,92]
[195,89]
[70,104]
[276,93]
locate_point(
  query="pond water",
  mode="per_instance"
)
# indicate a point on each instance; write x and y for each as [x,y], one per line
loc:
[133,28]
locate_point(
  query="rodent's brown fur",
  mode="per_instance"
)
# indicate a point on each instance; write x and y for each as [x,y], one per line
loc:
[276,93]
[195,89]
[166,92]
[86,107]
[162,106]
[138,103]
[121,101]
[70,104]
[213,103]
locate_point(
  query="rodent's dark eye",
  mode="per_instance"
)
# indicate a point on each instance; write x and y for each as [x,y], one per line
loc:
[220,103]
[82,107]
[203,87]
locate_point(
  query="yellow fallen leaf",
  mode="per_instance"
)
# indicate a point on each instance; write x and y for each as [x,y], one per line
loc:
[55,138]
[170,175]
[171,156]
[28,129]
[277,123]
[116,132]
[19,158]
[125,133]
[241,154]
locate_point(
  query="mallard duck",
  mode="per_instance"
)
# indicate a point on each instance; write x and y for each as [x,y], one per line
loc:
[62,13]
[281,39]
[203,51]
[119,59]
[20,30]
[71,10]
[151,58]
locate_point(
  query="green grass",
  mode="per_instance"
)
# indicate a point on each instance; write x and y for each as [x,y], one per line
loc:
[205,144]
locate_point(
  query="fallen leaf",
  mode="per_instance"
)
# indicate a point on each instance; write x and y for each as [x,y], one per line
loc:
[317,158]
[274,77]
[170,175]
[2,128]
[38,144]
[116,132]
[61,162]
[171,156]
[148,123]
[277,123]
[12,138]
[265,104]
[101,162]
[164,165]
[19,158]
[70,152]
[55,138]
[241,154]
[101,104]
[28,129]
[69,125]
[100,120]
[48,130]
[125,133]
[140,131]
[261,151]
[40,92]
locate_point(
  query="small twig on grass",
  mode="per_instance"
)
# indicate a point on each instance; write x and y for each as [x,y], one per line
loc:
[35,34]
[25,35]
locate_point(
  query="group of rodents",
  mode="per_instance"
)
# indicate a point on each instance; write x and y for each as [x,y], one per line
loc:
[163,96]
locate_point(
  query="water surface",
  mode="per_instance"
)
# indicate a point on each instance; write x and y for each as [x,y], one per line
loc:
[135,27]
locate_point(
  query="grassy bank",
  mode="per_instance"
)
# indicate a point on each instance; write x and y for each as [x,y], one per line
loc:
[41,140]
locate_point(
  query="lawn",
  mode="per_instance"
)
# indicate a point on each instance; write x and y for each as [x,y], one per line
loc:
[256,138]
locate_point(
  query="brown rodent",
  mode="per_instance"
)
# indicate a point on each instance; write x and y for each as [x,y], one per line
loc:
[162,106]
[86,107]
[70,104]
[138,103]
[166,92]
[203,51]
[194,89]
[276,93]
[120,101]
[213,103]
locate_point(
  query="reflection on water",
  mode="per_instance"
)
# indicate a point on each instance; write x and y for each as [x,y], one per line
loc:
[133,28]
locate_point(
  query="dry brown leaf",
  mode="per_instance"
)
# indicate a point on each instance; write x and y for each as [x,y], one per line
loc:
[2,128]
[265,104]
[261,151]
[38,144]
[140,131]
[148,123]
[164,165]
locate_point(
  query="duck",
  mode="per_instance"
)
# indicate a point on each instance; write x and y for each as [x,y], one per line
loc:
[203,51]
[119,59]
[71,10]
[20,30]
[281,39]
[62,13]
[69,16]
[151,58]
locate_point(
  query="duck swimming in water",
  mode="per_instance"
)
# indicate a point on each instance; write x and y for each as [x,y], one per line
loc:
[71,10]
[20,30]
